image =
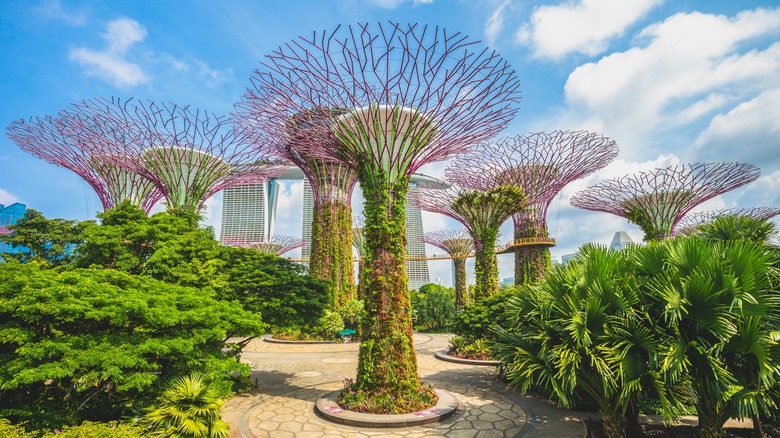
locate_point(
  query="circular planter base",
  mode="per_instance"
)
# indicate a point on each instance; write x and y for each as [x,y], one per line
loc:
[442,355]
[327,408]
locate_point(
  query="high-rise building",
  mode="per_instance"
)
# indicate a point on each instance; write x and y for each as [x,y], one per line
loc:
[8,216]
[248,211]
[308,218]
[416,270]
[620,241]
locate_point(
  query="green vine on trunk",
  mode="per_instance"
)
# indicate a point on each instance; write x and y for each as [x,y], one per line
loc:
[331,248]
[531,261]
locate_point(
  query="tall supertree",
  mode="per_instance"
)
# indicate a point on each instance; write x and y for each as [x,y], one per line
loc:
[657,200]
[189,154]
[459,245]
[482,211]
[332,185]
[541,164]
[67,139]
[688,224]
[277,245]
[397,97]
[358,242]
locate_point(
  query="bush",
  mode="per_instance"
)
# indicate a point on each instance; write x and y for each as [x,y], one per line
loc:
[434,310]
[475,320]
[352,313]
[89,429]
[329,325]
[86,344]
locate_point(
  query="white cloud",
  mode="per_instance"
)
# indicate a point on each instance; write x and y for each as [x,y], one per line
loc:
[495,22]
[111,63]
[53,9]
[6,198]
[212,214]
[690,66]
[584,26]
[749,132]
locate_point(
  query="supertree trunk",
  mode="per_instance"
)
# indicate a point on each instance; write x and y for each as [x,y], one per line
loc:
[485,263]
[531,261]
[331,248]
[386,360]
[461,288]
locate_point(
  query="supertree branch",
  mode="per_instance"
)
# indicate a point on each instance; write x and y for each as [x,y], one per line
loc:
[396,97]
[482,212]
[541,164]
[657,200]
[189,154]
[688,224]
[459,244]
[67,141]
[277,245]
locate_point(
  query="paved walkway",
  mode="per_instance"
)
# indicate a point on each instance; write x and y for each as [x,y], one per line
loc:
[291,378]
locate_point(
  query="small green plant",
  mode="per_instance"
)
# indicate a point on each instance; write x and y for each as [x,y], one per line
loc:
[189,408]
[9,430]
[329,325]
[479,349]
[351,313]
[457,345]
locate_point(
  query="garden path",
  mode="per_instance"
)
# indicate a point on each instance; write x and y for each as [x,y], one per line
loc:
[291,378]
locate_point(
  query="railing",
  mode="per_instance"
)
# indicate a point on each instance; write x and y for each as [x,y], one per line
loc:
[426,257]
[527,241]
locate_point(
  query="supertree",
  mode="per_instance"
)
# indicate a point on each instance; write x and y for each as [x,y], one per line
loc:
[397,97]
[458,244]
[657,200]
[482,211]
[688,224]
[541,164]
[276,245]
[189,154]
[65,141]
[332,185]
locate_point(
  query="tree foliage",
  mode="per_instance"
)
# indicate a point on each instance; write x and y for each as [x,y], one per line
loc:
[188,408]
[85,344]
[50,241]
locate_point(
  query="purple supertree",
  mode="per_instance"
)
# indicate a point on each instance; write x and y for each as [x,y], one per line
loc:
[276,245]
[541,164]
[459,245]
[58,140]
[657,200]
[332,184]
[189,154]
[4,231]
[397,97]
[482,211]
[688,224]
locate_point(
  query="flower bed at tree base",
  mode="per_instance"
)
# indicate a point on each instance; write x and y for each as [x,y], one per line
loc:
[327,407]
[446,356]
[595,430]
[386,403]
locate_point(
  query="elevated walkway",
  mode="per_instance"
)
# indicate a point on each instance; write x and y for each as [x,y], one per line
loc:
[525,241]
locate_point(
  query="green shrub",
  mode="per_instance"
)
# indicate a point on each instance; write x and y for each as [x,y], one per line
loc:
[475,320]
[8,430]
[189,408]
[329,325]
[458,345]
[352,312]
[89,429]
[434,310]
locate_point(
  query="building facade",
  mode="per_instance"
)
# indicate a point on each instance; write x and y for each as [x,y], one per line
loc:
[248,211]
[8,216]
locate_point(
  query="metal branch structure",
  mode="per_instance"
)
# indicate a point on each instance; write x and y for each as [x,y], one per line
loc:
[481,211]
[396,97]
[458,244]
[65,141]
[657,200]
[541,164]
[189,154]
[277,245]
[332,184]
[688,224]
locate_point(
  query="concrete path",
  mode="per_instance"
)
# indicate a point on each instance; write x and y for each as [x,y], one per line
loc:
[291,378]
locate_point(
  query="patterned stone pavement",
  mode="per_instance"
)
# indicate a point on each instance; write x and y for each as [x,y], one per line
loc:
[291,378]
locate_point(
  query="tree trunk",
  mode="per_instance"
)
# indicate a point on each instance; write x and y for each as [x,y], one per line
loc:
[331,248]
[614,426]
[485,263]
[461,288]
[387,361]
[758,431]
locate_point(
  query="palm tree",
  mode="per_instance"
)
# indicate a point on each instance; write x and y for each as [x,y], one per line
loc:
[188,408]
[582,329]
[714,304]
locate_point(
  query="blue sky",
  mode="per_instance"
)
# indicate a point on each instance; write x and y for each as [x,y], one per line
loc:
[670,81]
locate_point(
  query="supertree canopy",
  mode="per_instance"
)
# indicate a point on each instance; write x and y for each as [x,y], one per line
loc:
[481,211]
[541,164]
[688,224]
[277,245]
[332,184]
[397,97]
[67,141]
[657,200]
[188,154]
[458,244]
